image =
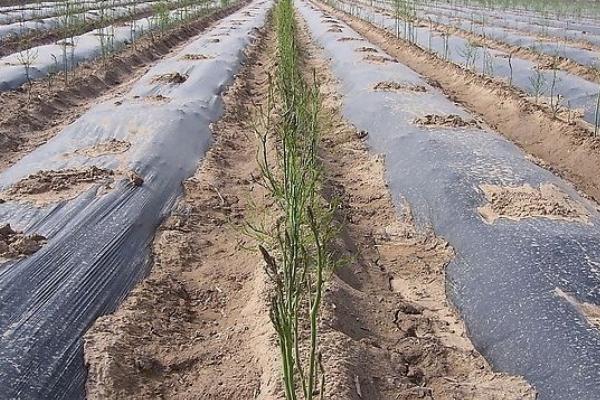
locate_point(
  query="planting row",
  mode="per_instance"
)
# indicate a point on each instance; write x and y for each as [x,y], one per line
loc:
[59,8]
[95,193]
[512,25]
[487,30]
[519,16]
[27,33]
[553,10]
[564,93]
[41,61]
[525,241]
[72,21]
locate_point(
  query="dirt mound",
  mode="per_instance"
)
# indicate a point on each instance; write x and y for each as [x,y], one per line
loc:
[390,86]
[335,30]
[15,244]
[112,146]
[520,202]
[451,120]
[196,57]
[374,59]
[174,78]
[349,39]
[46,187]
[366,50]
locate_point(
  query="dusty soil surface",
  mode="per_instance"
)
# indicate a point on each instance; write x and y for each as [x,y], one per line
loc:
[47,187]
[452,121]
[174,78]
[387,330]
[376,59]
[112,146]
[28,120]
[15,244]
[520,202]
[198,327]
[565,148]
[389,86]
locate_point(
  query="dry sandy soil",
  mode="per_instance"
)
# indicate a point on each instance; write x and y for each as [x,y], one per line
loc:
[520,202]
[198,327]
[14,244]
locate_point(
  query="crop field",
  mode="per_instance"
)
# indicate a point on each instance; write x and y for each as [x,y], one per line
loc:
[300,199]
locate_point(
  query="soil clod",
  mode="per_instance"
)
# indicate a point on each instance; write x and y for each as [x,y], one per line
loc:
[366,50]
[376,59]
[135,179]
[195,57]
[519,202]
[15,244]
[390,86]
[174,78]
[451,120]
